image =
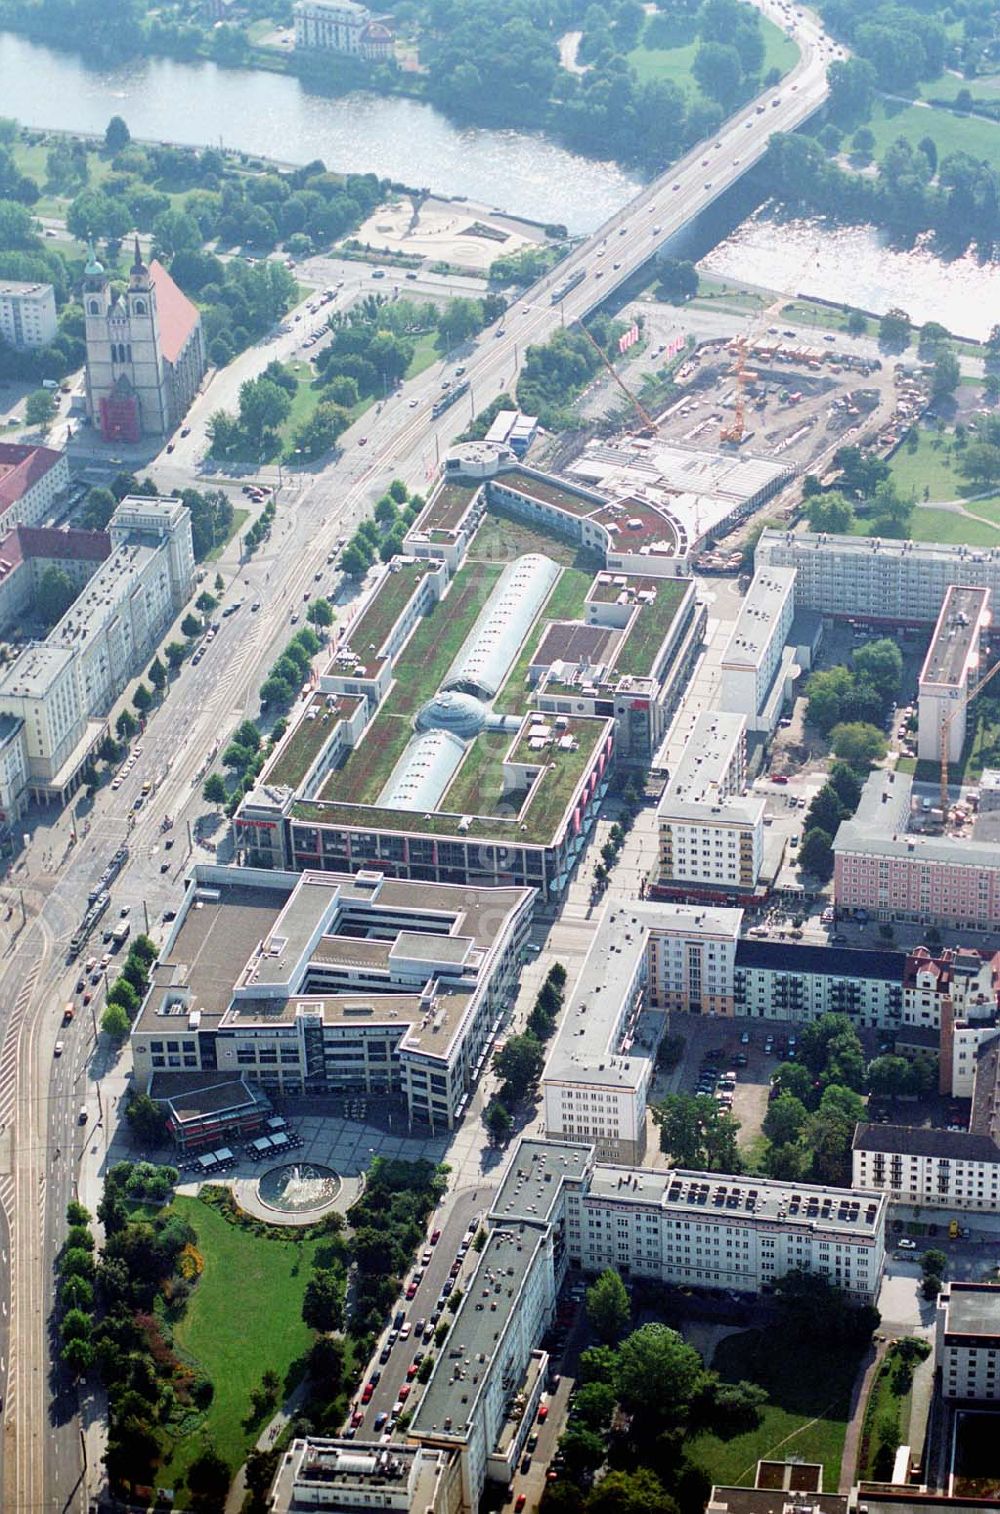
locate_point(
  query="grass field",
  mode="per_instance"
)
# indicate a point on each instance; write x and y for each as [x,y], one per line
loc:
[810,1391]
[946,526]
[425,352]
[930,467]
[230,1334]
[240,517]
[948,86]
[674,63]
[888,1403]
[951,133]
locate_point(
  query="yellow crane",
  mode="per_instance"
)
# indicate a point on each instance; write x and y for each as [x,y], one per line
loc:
[736,429]
[648,423]
[946,720]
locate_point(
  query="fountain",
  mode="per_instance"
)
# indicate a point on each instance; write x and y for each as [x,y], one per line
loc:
[298,1188]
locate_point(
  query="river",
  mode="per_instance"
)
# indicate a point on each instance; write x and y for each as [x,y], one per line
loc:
[274,115]
[855,265]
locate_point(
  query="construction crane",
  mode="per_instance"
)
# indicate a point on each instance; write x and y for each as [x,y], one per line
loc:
[736,429]
[945,729]
[648,427]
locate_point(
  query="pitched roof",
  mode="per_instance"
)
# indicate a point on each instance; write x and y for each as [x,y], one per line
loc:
[831,961]
[178,316]
[21,466]
[920,1141]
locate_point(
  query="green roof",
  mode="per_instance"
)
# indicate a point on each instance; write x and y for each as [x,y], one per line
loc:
[368,633]
[637,654]
[306,740]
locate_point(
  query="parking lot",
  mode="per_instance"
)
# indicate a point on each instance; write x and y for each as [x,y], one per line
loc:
[727,1059]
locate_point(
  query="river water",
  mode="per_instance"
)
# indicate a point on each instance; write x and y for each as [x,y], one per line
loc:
[854,265]
[272,114]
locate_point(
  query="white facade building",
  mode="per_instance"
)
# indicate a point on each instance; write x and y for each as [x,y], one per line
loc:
[27,314]
[949,671]
[339,26]
[967,1341]
[752,657]
[711,830]
[31,481]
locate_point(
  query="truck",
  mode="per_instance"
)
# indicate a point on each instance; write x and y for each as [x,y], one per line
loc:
[562,290]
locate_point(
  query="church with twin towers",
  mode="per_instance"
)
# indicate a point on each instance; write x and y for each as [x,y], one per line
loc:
[145,351]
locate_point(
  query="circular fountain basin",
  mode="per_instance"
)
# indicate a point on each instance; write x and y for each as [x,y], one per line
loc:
[298,1188]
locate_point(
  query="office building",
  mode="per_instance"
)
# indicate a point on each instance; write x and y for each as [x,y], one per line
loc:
[63,687]
[967,1342]
[27,314]
[556,1206]
[753,656]
[145,351]
[317,983]
[644,960]
[711,829]
[319,1472]
[878,581]
[950,670]
[31,482]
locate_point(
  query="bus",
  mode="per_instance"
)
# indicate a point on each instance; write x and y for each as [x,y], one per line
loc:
[120,934]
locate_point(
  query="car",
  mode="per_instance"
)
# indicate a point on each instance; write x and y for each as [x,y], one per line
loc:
[525,1462]
[164,867]
[675,186]
[168,915]
[185,431]
[362,441]
[839,939]
[532,1440]
[366,1392]
[745,1038]
[414,404]
[779,778]
[411,1290]
[170,446]
[543,1413]
[425,1259]
[616,265]
[905,1244]
[255,606]
[622,230]
[519,1503]
[386,1353]
[435,1237]
[357,1418]
[449,1285]
[411,276]
[397,1409]
[57,1049]
[404,1392]
[379,1420]
[456,1267]
[405,1331]
[412,1370]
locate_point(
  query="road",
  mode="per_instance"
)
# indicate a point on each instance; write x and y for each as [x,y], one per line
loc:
[41,1142]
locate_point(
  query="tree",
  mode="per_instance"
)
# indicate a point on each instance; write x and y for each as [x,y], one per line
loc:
[598,1364]
[116,135]
[78,1355]
[519,1063]
[322,430]
[858,744]
[657,1374]
[857,323]
[696,1132]
[352,561]
[894,331]
[881,663]
[638,1492]
[829,512]
[98,508]
[794,1079]
[146,1118]
[126,725]
[785,1119]
[582,1449]
[323,1302]
[889,1076]
[678,280]
[326,1364]
[498,1122]
[123,993]
[608,1309]
[115,1022]
[946,376]
[157,675]
[208,1479]
[825,811]
[846,785]
[594,1405]
[191,626]
[816,853]
[175,653]
[736,1407]
[264,407]
[718,72]
[214,789]
[142,699]
[54,595]
[40,409]
[319,613]
[77,1293]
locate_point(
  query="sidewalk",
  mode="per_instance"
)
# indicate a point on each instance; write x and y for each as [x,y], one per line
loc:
[856,1415]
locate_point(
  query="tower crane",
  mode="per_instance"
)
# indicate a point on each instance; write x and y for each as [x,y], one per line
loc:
[648,426]
[736,429]
[946,719]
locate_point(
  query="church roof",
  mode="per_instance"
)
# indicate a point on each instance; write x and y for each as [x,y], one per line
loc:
[178,316]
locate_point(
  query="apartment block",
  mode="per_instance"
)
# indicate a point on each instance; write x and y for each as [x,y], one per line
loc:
[319,983]
[753,654]
[31,481]
[967,1342]
[711,829]
[781,981]
[879,581]
[27,314]
[949,671]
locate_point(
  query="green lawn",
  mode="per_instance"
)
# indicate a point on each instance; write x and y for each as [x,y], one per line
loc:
[674,64]
[945,525]
[931,466]
[240,517]
[948,86]
[502,538]
[425,353]
[972,134]
[243,1317]
[810,1390]
[888,1402]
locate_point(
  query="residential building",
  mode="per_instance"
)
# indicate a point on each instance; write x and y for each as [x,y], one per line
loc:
[711,829]
[145,351]
[753,654]
[884,865]
[27,314]
[878,581]
[967,1342]
[556,1206]
[644,959]
[319,1472]
[31,481]
[329,982]
[26,554]
[63,687]
[949,672]
[341,26]
[789,981]
[13,774]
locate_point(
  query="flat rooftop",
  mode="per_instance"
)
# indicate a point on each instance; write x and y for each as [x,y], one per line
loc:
[760,612]
[447,1406]
[825,543]
[34,670]
[573,642]
[955,643]
[447,506]
[703,1196]
[535,1172]
[302,745]
[702,776]
[973,1309]
[547,491]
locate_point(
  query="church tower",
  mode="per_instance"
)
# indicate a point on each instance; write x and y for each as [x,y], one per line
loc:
[127,392]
